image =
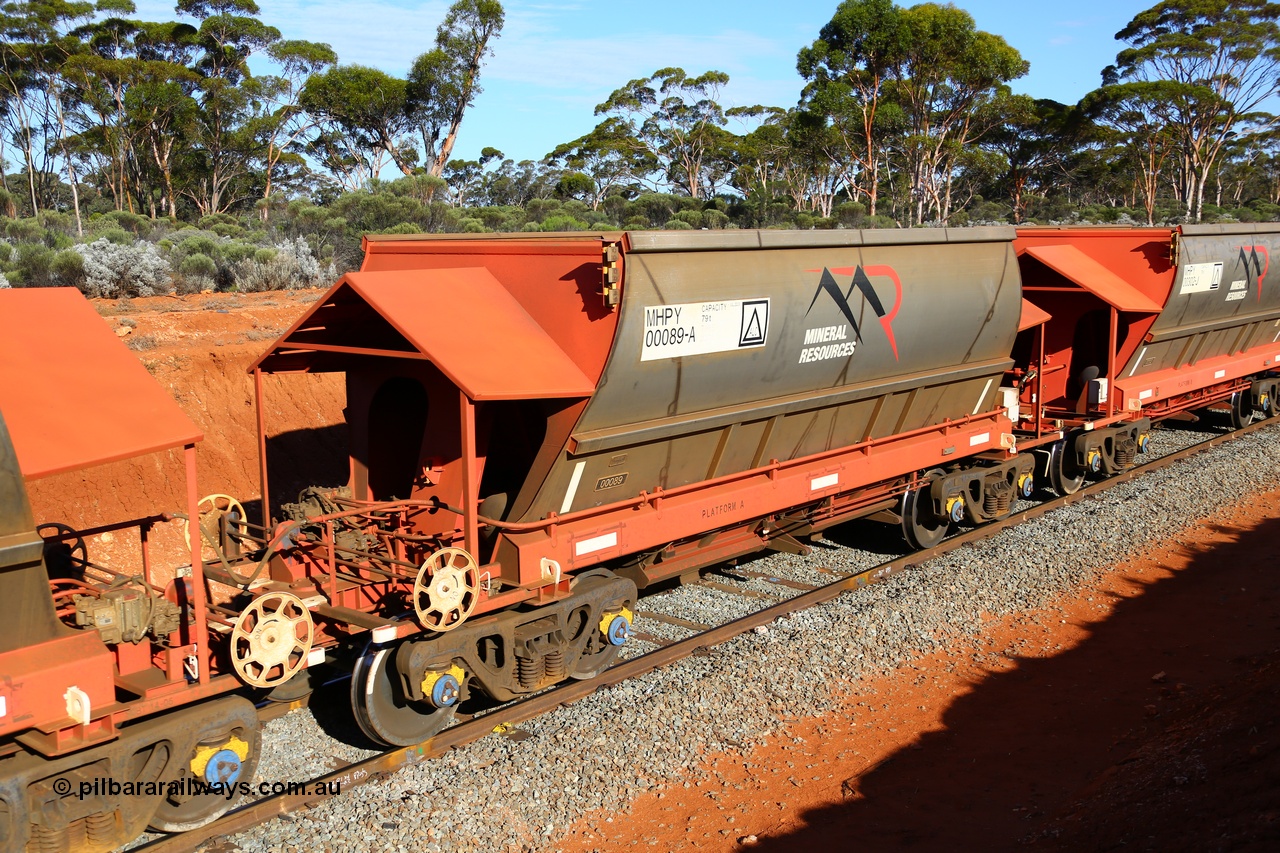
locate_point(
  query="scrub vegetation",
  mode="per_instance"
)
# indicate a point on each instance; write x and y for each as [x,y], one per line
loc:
[142,157]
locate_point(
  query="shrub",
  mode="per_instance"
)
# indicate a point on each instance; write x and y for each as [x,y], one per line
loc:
[119,236]
[112,270]
[715,219]
[132,222]
[677,225]
[67,269]
[141,343]
[290,266]
[32,264]
[23,230]
[236,251]
[201,244]
[198,265]
[562,222]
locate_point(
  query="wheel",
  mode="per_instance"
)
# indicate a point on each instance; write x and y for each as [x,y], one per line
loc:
[1065,476]
[599,654]
[446,589]
[1241,409]
[226,758]
[210,509]
[65,553]
[271,639]
[921,526]
[382,711]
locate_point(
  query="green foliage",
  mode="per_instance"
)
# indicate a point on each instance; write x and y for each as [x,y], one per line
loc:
[200,244]
[119,236]
[67,269]
[563,222]
[33,266]
[198,264]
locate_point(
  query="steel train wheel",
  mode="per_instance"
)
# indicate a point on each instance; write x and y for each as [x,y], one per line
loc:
[216,760]
[1241,409]
[599,653]
[1065,476]
[921,527]
[382,711]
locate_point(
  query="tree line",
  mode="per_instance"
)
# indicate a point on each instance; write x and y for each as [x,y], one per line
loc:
[905,118]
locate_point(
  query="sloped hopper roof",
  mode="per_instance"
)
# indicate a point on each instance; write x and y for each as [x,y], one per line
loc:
[1095,278]
[72,394]
[462,320]
[1032,315]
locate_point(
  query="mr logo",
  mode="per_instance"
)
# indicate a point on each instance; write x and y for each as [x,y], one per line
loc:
[1255,260]
[861,281]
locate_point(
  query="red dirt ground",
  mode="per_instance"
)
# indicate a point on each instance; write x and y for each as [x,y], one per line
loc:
[1140,714]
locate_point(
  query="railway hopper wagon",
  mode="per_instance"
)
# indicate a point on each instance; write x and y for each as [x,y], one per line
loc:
[540,425]
[1135,325]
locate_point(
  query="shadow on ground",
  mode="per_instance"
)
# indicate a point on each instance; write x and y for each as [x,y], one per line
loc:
[1160,731]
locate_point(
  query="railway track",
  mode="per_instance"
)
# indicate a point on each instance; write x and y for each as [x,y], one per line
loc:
[791,596]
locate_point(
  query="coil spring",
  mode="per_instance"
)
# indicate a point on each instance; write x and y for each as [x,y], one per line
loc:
[46,840]
[553,665]
[101,827]
[997,499]
[1125,453]
[529,672]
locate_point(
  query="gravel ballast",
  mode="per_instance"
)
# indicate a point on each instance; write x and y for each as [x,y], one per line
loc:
[521,793]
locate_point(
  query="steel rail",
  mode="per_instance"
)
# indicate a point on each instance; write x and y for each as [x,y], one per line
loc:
[378,766]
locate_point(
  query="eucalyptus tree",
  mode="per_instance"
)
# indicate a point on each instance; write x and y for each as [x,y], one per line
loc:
[220,137]
[676,119]
[1035,137]
[364,121]
[764,156]
[847,68]
[949,80]
[444,81]
[282,124]
[610,158]
[36,39]
[1201,68]
[1128,118]
[134,84]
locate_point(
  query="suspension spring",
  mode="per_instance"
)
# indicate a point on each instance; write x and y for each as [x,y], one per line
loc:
[529,672]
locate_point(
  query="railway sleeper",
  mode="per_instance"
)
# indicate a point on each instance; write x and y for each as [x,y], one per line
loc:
[516,652]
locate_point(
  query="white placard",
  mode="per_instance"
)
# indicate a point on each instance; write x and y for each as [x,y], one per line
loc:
[980,438]
[1200,278]
[596,543]
[824,482]
[699,328]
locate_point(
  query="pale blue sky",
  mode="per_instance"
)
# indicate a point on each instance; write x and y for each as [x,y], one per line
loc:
[557,59]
